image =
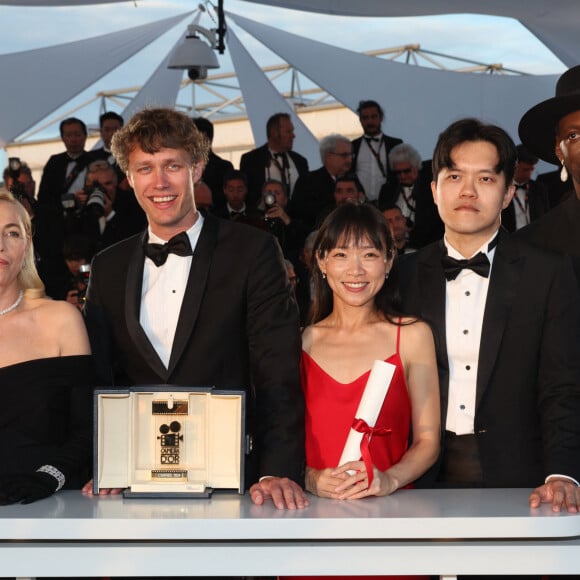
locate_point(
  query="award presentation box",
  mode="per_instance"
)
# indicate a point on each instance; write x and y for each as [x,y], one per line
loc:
[169,441]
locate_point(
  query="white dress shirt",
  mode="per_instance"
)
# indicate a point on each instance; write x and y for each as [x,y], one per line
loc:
[273,171]
[465,299]
[521,207]
[367,168]
[405,202]
[162,294]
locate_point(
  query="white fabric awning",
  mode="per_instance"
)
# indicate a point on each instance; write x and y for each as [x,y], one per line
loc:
[59,73]
[418,102]
[262,100]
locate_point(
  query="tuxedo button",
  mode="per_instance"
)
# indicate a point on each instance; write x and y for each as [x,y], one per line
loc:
[468,293]
[466,331]
[467,367]
[462,407]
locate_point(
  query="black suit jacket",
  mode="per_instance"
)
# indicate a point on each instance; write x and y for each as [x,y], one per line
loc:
[53,177]
[528,382]
[238,329]
[213,176]
[254,163]
[427,225]
[538,204]
[313,196]
[389,143]
[558,230]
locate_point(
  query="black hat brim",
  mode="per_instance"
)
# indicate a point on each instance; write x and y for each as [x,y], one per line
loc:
[537,128]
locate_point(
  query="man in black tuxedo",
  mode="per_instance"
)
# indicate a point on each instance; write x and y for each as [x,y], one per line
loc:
[314,193]
[551,129]
[530,200]
[505,317]
[371,151]
[197,300]
[64,173]
[411,192]
[273,160]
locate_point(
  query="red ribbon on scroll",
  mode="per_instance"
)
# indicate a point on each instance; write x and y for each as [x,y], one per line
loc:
[361,426]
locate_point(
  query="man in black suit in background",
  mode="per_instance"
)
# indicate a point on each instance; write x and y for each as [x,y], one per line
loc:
[411,192]
[273,160]
[199,300]
[371,151]
[64,173]
[314,193]
[530,200]
[505,318]
[216,168]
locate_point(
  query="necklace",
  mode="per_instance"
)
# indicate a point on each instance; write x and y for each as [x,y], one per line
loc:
[13,306]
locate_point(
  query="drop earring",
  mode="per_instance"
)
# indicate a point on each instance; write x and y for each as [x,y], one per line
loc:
[563,173]
[324,275]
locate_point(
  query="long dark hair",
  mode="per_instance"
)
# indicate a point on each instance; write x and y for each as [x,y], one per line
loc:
[353,222]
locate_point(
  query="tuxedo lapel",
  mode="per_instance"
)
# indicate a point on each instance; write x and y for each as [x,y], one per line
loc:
[196,283]
[431,287]
[503,282]
[133,308]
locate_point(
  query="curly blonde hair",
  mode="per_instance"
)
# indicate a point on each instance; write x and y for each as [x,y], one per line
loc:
[28,278]
[155,129]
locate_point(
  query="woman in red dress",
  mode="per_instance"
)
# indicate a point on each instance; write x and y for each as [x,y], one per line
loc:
[354,323]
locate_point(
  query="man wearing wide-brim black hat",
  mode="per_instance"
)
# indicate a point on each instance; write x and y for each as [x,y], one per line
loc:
[551,130]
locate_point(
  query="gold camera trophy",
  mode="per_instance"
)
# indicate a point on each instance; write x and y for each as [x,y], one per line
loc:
[168,441]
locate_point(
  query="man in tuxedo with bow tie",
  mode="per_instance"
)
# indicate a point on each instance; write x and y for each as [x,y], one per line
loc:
[196,300]
[506,324]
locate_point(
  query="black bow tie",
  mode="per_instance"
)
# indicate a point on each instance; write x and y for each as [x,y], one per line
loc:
[376,139]
[178,244]
[478,263]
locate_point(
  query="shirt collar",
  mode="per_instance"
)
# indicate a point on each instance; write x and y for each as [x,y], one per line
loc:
[488,248]
[192,233]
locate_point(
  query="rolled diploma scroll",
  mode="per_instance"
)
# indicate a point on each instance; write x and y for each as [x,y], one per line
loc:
[369,407]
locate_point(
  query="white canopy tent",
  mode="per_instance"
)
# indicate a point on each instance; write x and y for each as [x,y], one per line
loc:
[554,22]
[419,102]
[44,79]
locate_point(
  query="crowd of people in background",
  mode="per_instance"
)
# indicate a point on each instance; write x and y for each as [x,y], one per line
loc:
[85,204]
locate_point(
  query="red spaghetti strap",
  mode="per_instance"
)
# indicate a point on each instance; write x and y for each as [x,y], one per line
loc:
[399,333]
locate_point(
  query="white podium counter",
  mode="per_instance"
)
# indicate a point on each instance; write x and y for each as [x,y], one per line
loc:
[443,532]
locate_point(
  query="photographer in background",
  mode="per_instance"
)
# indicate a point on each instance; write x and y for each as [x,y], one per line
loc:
[18,180]
[290,232]
[106,213]
[78,251]
[109,123]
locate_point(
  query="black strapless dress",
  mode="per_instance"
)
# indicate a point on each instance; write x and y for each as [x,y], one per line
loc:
[46,417]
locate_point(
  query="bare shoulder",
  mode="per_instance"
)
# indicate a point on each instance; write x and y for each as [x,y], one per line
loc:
[62,323]
[57,311]
[313,334]
[415,335]
[307,339]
